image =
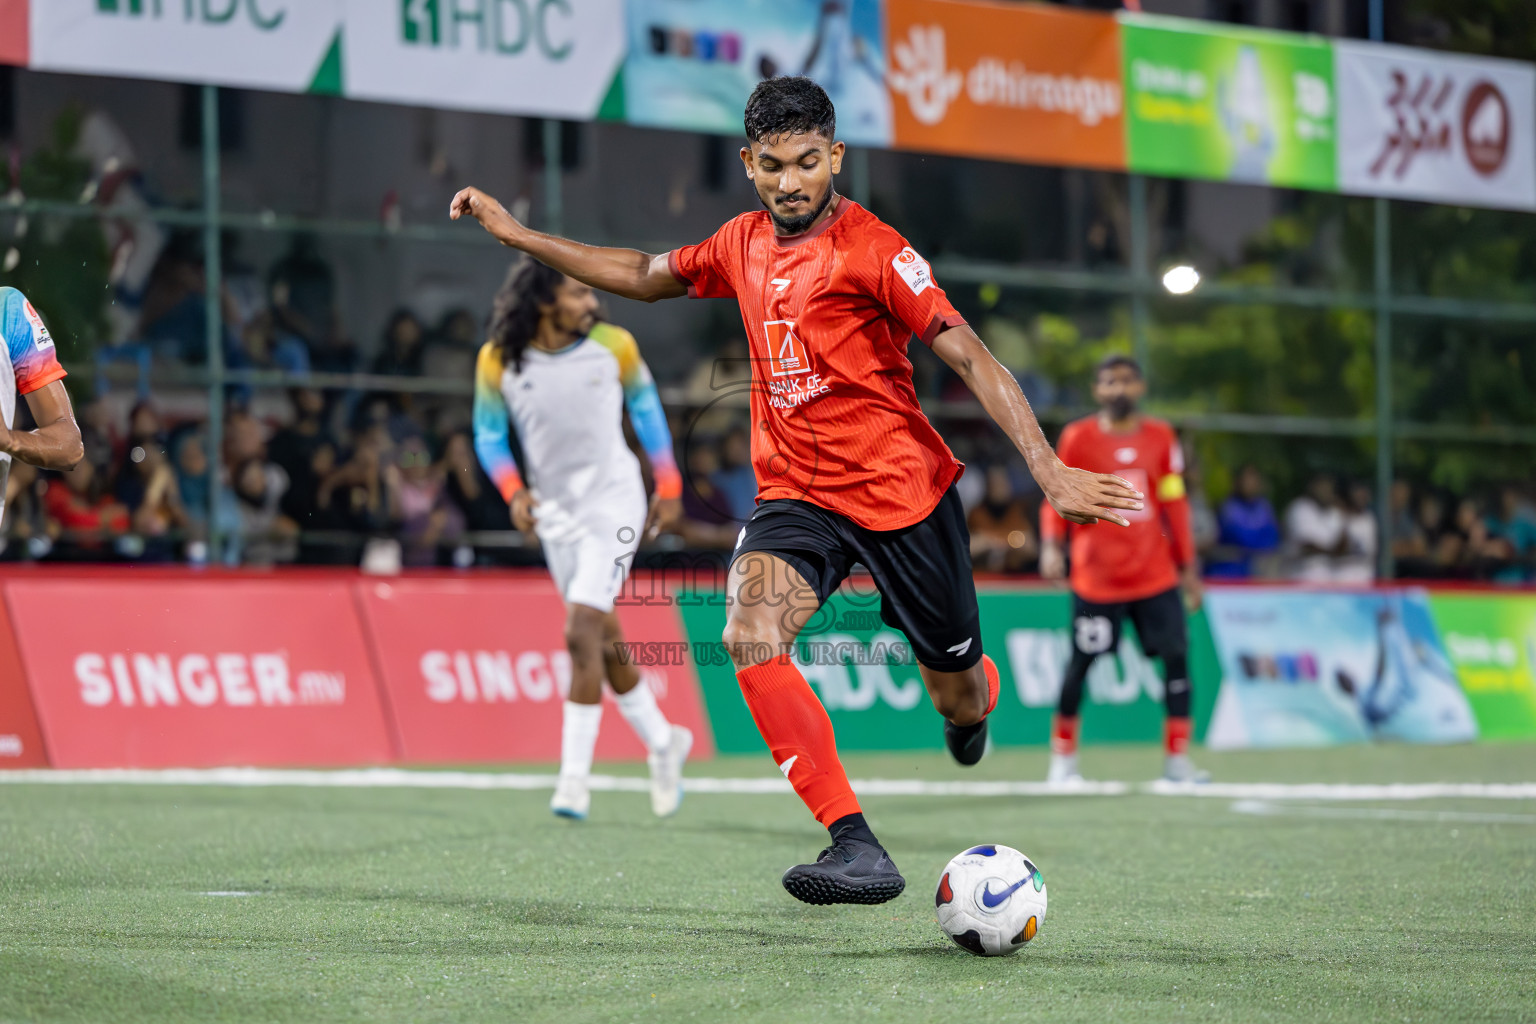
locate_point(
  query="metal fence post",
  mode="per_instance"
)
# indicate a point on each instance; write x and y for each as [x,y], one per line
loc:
[1141,261]
[554,201]
[213,272]
[1384,425]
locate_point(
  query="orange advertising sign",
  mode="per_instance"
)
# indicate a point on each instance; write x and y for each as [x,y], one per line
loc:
[1012,81]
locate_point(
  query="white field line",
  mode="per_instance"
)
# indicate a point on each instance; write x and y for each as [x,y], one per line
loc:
[399,778]
[1264,808]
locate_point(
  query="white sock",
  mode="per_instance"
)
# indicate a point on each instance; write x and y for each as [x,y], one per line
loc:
[639,709]
[577,738]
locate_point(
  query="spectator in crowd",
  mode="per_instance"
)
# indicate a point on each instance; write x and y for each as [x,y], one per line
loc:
[1514,525]
[303,301]
[265,536]
[1357,562]
[89,519]
[1406,542]
[1314,529]
[293,446]
[1002,537]
[1247,530]
[735,480]
[1202,519]
[470,490]
[427,518]
[264,347]
[706,522]
[147,488]
[361,493]
[1480,554]
[28,531]
[95,433]
[401,351]
[244,437]
[194,484]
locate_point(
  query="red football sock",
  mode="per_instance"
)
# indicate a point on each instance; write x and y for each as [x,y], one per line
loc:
[1063,734]
[993,682]
[799,735]
[1176,735]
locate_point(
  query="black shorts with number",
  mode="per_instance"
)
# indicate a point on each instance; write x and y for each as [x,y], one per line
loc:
[1159,622]
[923,571]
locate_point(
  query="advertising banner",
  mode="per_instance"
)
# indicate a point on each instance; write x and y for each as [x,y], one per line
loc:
[286,45]
[21,740]
[1417,124]
[548,58]
[1230,104]
[1304,668]
[693,63]
[864,674]
[1011,81]
[164,673]
[15,41]
[477,670]
[1491,641]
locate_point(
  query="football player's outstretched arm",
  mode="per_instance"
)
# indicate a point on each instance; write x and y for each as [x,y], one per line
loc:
[55,444]
[1079,496]
[627,272]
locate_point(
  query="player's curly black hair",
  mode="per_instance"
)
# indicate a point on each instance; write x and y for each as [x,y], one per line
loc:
[789,105]
[515,311]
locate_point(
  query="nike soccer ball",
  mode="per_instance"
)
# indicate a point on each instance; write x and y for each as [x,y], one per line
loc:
[991,900]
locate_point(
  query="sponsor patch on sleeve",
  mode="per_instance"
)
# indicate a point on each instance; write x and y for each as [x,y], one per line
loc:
[41,339]
[913,270]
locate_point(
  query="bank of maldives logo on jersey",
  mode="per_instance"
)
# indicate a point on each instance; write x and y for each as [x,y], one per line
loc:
[787,356]
[913,270]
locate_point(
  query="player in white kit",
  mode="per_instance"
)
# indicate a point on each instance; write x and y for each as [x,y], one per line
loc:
[29,366]
[564,379]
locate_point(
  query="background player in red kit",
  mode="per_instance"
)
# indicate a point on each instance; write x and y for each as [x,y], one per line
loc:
[1136,571]
[848,467]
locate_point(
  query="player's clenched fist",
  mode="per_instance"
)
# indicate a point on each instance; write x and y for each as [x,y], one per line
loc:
[471,202]
[1081,497]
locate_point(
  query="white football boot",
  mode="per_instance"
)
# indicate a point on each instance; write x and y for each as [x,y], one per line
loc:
[1179,768]
[1063,771]
[667,772]
[572,797]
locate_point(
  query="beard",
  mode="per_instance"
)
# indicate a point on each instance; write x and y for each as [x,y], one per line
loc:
[795,225]
[1119,408]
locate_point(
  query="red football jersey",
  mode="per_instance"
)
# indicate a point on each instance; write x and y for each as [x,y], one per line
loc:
[1113,563]
[829,314]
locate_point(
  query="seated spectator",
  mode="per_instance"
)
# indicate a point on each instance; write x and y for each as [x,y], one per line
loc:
[736,480]
[1002,537]
[1247,530]
[302,290]
[1481,555]
[470,489]
[361,493]
[707,522]
[1314,530]
[264,536]
[400,354]
[1357,563]
[1514,524]
[147,488]
[27,532]
[194,484]
[1407,541]
[293,446]
[244,437]
[88,517]
[427,518]
[1202,519]
[263,347]
[1436,547]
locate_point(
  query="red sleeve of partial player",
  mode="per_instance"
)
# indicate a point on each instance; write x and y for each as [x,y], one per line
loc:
[708,269]
[908,290]
[1181,531]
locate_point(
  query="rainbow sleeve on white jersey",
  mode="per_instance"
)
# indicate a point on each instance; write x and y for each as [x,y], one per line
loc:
[644,404]
[493,432]
[33,357]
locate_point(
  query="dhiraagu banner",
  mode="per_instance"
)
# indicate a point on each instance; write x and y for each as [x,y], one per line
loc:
[864,674]
[1491,642]
[1228,104]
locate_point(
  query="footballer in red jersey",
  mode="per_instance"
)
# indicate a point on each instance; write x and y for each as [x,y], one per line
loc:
[1136,572]
[848,467]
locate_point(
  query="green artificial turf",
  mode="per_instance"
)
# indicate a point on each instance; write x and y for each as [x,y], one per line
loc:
[412,905]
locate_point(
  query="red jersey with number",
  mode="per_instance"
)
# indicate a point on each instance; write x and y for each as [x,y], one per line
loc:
[829,314]
[1112,563]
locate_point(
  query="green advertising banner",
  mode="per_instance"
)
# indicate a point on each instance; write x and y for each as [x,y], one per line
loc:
[1491,642]
[863,673]
[1229,104]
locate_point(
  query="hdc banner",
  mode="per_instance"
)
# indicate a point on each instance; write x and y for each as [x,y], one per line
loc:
[477,670]
[863,672]
[288,45]
[1006,81]
[185,672]
[553,58]
[1303,668]
[1229,104]
[1436,126]
[1491,640]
